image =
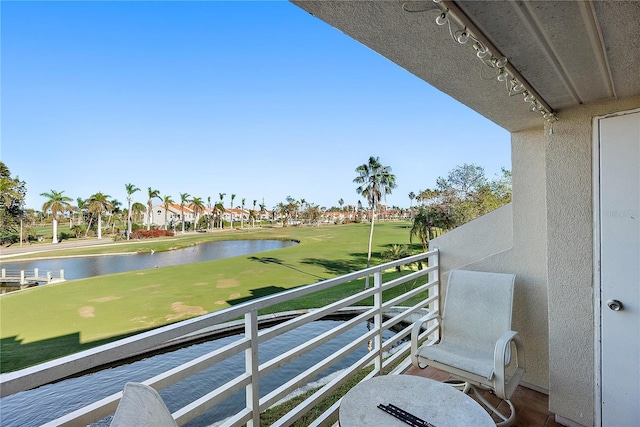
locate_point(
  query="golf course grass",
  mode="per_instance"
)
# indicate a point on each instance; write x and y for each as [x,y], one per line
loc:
[43,323]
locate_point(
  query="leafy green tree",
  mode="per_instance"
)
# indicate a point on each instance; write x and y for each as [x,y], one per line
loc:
[130,188]
[198,207]
[153,194]
[166,202]
[99,203]
[184,198]
[12,194]
[56,203]
[375,182]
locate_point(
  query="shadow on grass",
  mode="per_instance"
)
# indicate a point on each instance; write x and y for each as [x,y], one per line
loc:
[17,355]
[271,260]
[258,293]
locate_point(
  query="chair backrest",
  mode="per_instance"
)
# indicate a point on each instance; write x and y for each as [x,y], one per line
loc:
[477,308]
[141,406]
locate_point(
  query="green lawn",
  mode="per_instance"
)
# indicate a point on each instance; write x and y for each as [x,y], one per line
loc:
[43,323]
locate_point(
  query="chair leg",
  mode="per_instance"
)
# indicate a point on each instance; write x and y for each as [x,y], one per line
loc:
[506,421]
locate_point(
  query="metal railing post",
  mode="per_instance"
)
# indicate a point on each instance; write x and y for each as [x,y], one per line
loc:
[377,319]
[251,366]
[62,274]
[434,261]
[22,281]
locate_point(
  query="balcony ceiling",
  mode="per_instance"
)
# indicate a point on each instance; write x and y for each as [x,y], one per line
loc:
[569,52]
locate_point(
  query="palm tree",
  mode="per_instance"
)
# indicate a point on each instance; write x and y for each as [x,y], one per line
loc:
[130,190]
[99,203]
[219,208]
[137,209]
[341,202]
[233,196]
[412,196]
[376,181]
[210,213]
[56,203]
[242,213]
[184,198]
[422,226]
[254,213]
[221,212]
[114,213]
[263,211]
[198,207]
[166,202]
[82,209]
[152,195]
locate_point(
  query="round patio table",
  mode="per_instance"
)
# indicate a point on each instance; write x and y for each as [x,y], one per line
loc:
[437,404]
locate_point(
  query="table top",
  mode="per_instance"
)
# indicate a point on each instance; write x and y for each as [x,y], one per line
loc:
[437,403]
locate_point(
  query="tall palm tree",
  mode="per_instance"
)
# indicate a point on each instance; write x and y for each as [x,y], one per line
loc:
[221,212]
[242,213]
[130,190]
[56,203]
[166,202]
[263,211]
[233,196]
[375,182]
[254,213]
[153,194]
[412,196]
[210,213]
[198,207]
[184,198]
[99,203]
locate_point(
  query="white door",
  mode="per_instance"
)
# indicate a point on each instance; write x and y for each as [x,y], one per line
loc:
[619,138]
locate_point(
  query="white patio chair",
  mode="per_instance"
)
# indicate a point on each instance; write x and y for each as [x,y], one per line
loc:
[476,336]
[141,406]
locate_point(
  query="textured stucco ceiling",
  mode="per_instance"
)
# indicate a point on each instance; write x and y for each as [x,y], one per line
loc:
[570,52]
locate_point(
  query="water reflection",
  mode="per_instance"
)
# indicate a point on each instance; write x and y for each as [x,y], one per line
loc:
[55,400]
[89,266]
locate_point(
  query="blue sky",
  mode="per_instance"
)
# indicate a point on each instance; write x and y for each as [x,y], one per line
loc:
[258,99]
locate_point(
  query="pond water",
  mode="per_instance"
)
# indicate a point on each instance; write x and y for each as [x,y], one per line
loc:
[54,400]
[89,266]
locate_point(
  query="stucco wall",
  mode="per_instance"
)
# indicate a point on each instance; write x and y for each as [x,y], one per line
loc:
[513,239]
[569,156]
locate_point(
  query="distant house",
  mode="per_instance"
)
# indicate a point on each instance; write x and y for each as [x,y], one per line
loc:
[173,216]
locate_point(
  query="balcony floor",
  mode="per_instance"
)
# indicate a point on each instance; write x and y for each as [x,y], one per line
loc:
[531,406]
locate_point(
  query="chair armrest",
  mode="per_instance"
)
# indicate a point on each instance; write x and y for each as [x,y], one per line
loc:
[415,335]
[505,389]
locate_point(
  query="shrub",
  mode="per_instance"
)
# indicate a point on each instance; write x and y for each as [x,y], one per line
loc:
[149,234]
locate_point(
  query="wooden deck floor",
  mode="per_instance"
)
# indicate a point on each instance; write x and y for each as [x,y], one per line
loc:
[531,406]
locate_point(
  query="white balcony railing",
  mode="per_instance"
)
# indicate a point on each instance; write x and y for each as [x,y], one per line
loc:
[384,315]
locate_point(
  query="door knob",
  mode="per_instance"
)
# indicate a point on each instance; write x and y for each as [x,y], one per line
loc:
[614,304]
